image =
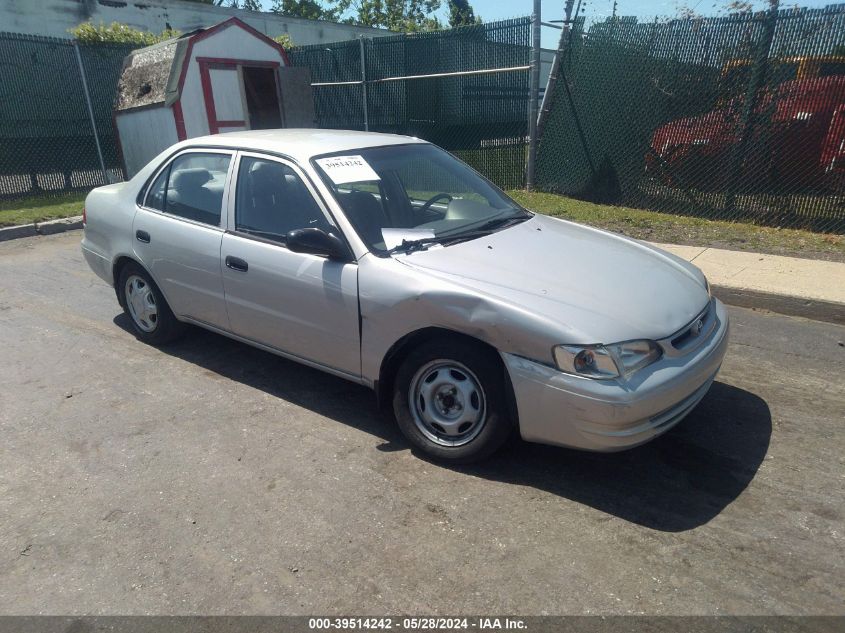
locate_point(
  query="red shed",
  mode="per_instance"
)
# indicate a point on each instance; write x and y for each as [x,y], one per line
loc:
[224,78]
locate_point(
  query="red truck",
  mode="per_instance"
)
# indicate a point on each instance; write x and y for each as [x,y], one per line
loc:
[796,144]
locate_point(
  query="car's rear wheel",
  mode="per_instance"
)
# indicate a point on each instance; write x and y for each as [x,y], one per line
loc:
[142,301]
[450,401]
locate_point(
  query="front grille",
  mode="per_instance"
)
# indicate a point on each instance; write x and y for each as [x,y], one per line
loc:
[696,331]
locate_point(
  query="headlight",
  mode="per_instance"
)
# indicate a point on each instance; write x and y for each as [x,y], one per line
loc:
[606,361]
[707,285]
[635,355]
[592,361]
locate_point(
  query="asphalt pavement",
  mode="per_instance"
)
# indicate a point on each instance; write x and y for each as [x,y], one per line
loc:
[213,478]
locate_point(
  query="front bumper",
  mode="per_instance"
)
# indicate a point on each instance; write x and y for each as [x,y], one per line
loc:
[610,415]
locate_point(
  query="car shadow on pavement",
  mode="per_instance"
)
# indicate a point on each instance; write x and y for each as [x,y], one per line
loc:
[677,482]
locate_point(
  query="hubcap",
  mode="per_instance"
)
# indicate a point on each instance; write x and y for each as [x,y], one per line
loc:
[447,403]
[141,302]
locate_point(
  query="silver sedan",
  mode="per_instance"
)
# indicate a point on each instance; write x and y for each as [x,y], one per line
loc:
[387,261]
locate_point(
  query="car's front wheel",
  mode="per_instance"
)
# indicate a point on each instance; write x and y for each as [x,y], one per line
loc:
[450,401]
[142,301]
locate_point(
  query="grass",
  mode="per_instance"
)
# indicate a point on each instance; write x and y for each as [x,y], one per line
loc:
[693,231]
[638,223]
[31,210]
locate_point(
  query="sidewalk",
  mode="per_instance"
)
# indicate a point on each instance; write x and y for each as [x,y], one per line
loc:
[809,288]
[801,287]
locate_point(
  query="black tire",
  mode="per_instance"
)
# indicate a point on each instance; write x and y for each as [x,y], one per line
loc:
[166,327]
[485,368]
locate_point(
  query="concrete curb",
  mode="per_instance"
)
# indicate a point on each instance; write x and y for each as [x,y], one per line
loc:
[814,309]
[16,232]
[49,227]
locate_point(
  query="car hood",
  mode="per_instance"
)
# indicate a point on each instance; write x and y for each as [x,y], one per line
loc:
[596,286]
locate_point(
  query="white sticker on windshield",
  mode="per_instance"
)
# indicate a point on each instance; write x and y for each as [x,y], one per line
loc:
[343,169]
[394,237]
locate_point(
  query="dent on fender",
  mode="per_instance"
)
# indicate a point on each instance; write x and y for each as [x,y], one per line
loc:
[397,304]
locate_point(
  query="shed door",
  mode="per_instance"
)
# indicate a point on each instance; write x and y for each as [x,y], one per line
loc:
[240,94]
[261,90]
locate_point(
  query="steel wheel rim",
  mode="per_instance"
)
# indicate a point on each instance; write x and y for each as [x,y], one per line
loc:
[141,302]
[447,403]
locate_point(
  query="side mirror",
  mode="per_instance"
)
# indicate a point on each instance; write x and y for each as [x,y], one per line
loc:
[316,242]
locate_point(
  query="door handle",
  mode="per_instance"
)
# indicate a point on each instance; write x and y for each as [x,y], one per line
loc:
[236,263]
[142,236]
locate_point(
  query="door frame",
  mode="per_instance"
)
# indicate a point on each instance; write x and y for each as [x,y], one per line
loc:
[232,233]
[206,64]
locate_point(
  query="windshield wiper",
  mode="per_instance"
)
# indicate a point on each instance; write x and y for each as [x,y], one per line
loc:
[411,246]
[485,229]
[498,223]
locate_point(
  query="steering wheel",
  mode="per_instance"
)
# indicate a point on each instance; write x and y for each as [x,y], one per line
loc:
[432,200]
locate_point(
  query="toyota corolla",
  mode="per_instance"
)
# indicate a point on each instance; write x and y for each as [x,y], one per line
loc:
[387,261]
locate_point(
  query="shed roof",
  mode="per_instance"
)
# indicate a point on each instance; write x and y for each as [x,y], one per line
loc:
[151,75]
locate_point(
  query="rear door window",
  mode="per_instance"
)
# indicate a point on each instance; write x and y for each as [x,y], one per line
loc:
[195,187]
[191,187]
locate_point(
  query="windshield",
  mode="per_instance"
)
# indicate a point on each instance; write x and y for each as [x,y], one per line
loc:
[400,195]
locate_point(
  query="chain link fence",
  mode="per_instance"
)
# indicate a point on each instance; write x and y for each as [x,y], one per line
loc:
[56,100]
[464,89]
[54,95]
[736,118]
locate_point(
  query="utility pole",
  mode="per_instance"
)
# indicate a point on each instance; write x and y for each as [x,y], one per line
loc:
[534,97]
[364,96]
[563,44]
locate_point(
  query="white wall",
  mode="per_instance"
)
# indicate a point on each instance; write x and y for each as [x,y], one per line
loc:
[144,134]
[55,17]
[231,42]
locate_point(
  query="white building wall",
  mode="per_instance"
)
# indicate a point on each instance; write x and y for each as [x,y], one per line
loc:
[231,42]
[144,134]
[55,17]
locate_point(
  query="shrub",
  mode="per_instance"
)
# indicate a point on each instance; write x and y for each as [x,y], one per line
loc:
[284,40]
[116,33]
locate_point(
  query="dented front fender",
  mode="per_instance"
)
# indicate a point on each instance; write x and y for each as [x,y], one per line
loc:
[397,300]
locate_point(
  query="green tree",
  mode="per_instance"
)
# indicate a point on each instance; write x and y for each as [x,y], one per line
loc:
[461,13]
[249,5]
[116,33]
[396,15]
[308,9]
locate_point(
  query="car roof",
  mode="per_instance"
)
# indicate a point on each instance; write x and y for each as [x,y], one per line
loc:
[301,144]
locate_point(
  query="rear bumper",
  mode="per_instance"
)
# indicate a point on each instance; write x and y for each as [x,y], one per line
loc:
[99,263]
[609,415]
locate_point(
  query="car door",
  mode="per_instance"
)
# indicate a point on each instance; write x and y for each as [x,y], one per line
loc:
[301,304]
[178,231]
